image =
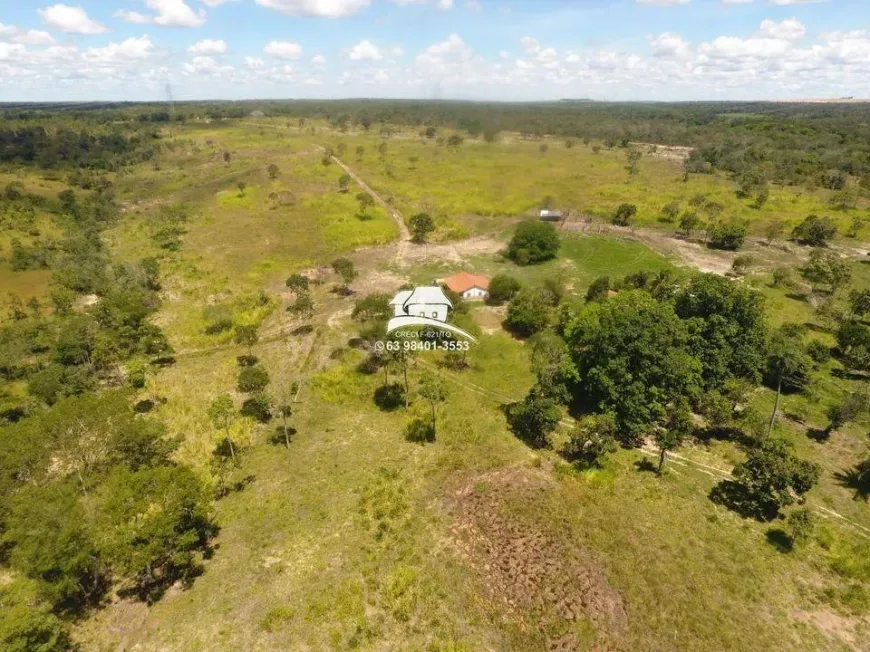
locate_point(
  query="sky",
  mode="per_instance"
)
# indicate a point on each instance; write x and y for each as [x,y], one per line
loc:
[133,50]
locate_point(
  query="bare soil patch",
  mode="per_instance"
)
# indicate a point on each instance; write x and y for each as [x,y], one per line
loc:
[837,628]
[545,581]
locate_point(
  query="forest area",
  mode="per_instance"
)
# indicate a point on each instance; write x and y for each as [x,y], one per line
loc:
[660,438]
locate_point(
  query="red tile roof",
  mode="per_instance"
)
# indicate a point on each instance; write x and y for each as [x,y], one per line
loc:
[464,281]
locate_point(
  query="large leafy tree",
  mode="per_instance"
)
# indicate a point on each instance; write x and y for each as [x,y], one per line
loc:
[533,418]
[726,327]
[771,478]
[151,525]
[528,313]
[533,242]
[633,358]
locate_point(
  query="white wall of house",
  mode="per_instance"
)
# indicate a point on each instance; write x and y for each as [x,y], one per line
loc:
[474,293]
[438,312]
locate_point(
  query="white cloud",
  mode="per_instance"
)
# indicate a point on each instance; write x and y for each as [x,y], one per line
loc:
[451,48]
[215,3]
[254,63]
[129,50]
[736,2]
[530,45]
[441,4]
[11,51]
[168,13]
[208,46]
[474,5]
[324,8]
[790,29]
[12,34]
[670,45]
[364,51]
[206,66]
[663,2]
[283,49]
[318,61]
[72,20]
[794,2]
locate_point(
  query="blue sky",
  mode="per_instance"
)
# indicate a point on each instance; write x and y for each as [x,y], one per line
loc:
[466,49]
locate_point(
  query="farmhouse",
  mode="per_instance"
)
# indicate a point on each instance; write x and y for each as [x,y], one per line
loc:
[469,286]
[428,301]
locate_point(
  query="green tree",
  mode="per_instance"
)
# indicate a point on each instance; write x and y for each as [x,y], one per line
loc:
[421,226]
[851,408]
[502,288]
[599,290]
[773,230]
[360,150]
[432,388]
[591,441]
[430,132]
[246,335]
[552,365]
[859,302]
[826,268]
[670,211]
[153,548]
[533,242]
[253,380]
[689,222]
[365,202]
[26,621]
[788,365]
[345,268]
[222,413]
[771,478]
[298,283]
[454,142]
[633,359]
[49,540]
[728,235]
[815,231]
[343,182]
[528,313]
[273,171]
[674,432]
[373,307]
[853,344]
[801,523]
[534,418]
[241,186]
[624,214]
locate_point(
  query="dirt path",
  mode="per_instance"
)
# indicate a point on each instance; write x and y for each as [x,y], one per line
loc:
[404,233]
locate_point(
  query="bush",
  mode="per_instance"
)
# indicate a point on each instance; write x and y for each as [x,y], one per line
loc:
[533,419]
[420,431]
[258,407]
[815,231]
[390,397]
[742,264]
[253,380]
[624,214]
[534,242]
[502,288]
[599,289]
[528,313]
[801,523]
[591,441]
[730,236]
[818,351]
[783,277]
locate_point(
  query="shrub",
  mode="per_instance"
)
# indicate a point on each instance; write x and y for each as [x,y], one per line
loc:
[818,351]
[815,231]
[420,431]
[624,214]
[502,288]
[801,522]
[783,277]
[534,242]
[599,289]
[528,313]
[533,418]
[390,397]
[730,236]
[253,380]
[258,407]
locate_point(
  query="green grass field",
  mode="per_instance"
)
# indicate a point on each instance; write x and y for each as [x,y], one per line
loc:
[354,538]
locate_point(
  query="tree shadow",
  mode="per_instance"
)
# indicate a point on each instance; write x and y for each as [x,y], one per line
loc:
[845,374]
[780,540]
[646,465]
[247,360]
[797,297]
[819,435]
[857,478]
[706,435]
[305,329]
[277,437]
[815,328]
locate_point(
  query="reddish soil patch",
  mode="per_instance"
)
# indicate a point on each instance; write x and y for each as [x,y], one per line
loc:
[544,580]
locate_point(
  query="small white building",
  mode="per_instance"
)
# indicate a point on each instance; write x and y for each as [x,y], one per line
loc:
[427,301]
[469,286]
